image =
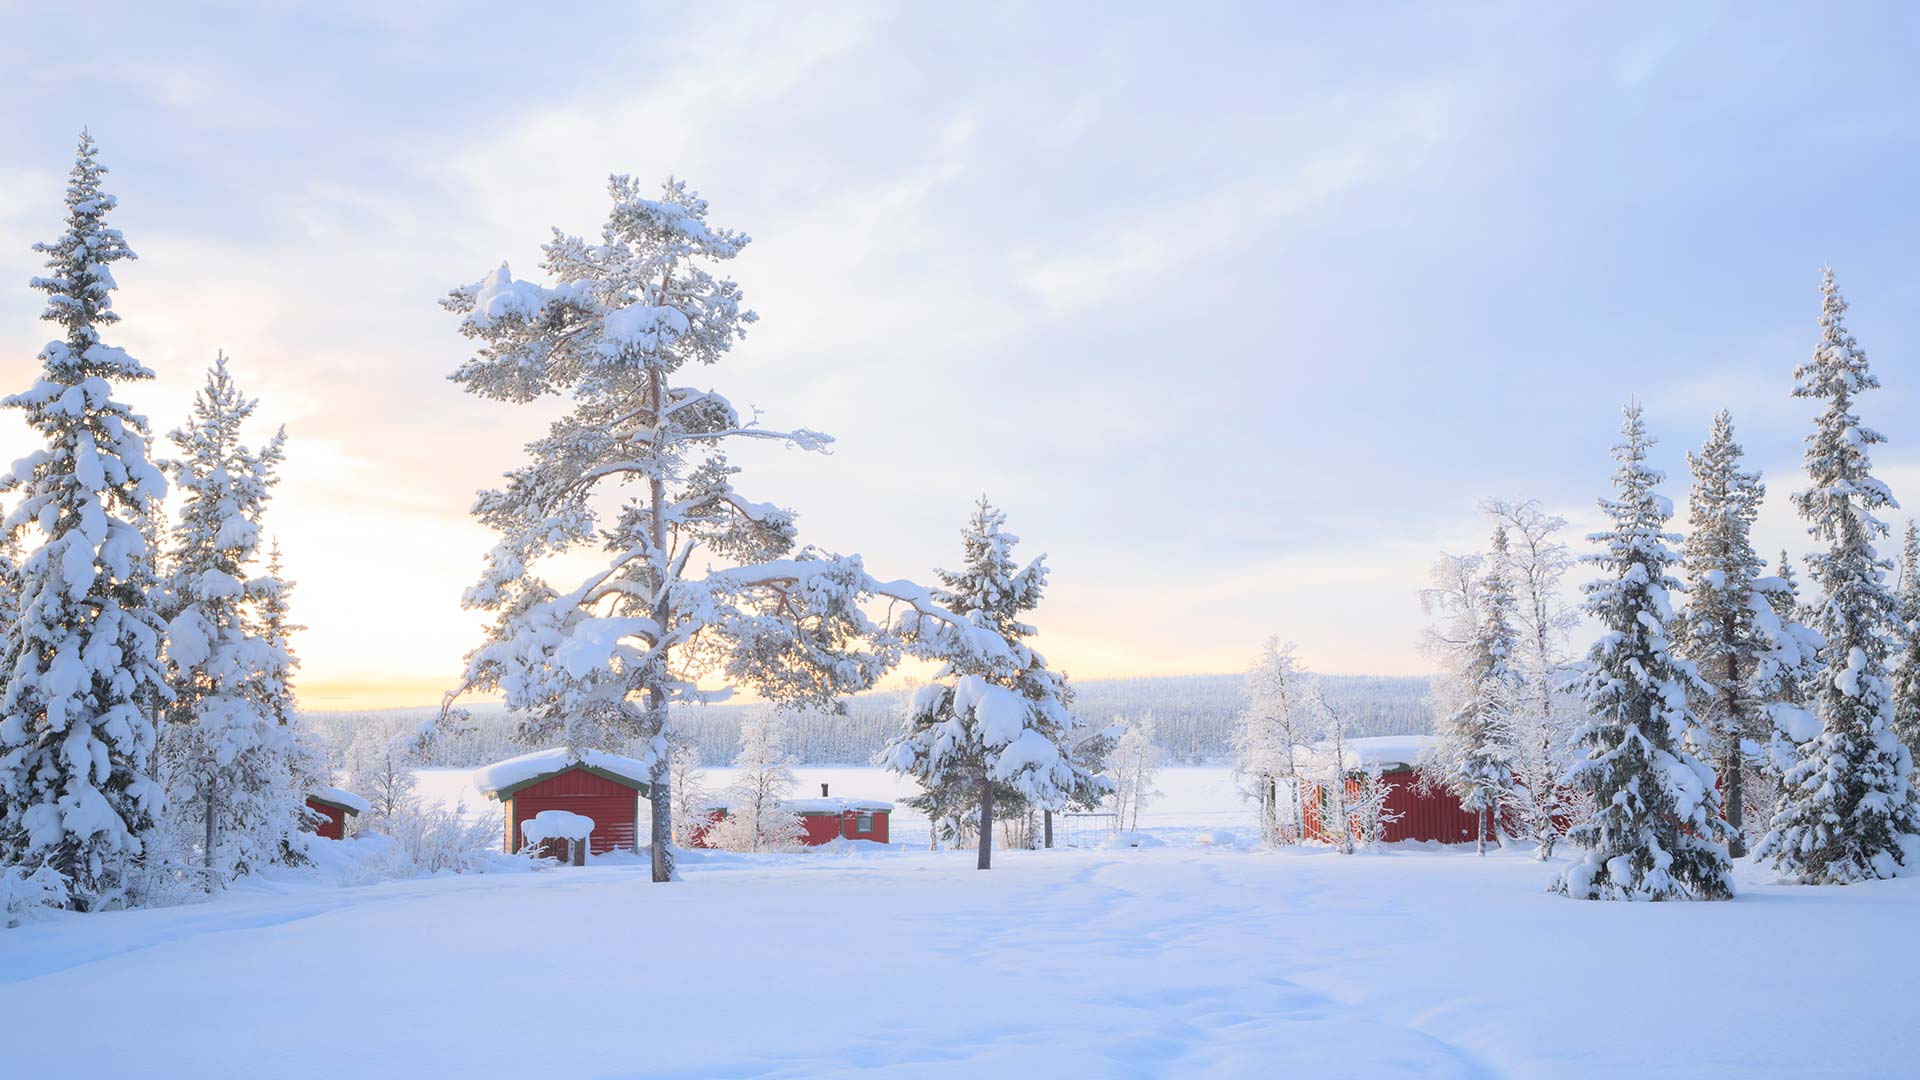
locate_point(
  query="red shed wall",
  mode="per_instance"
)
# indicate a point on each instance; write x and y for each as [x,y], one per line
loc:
[878,834]
[1432,815]
[614,808]
[334,827]
[820,829]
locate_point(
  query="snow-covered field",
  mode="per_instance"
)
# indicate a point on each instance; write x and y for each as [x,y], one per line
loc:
[1183,960]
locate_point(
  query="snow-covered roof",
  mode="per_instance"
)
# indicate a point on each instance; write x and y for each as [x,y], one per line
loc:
[1385,751]
[503,778]
[835,805]
[341,797]
[815,806]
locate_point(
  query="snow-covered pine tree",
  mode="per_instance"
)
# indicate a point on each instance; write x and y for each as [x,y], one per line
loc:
[1906,634]
[271,599]
[1267,737]
[226,756]
[84,677]
[637,470]
[1006,727]
[1718,632]
[1539,725]
[1657,816]
[1850,809]
[1474,754]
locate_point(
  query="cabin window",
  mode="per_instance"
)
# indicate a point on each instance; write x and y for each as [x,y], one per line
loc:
[863,823]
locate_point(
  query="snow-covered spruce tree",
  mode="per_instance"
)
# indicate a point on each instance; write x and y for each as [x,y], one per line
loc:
[1657,816]
[82,659]
[1906,633]
[1005,727]
[226,756]
[1718,632]
[1267,737]
[1540,723]
[271,596]
[637,470]
[1850,810]
[1473,755]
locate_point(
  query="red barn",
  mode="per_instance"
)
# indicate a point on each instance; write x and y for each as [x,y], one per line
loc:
[333,805]
[605,787]
[1425,813]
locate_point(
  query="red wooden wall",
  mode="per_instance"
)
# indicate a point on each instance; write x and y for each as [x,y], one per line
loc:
[820,828]
[335,825]
[1430,815]
[614,808]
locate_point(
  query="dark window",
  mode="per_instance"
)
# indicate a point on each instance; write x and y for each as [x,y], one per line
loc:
[863,823]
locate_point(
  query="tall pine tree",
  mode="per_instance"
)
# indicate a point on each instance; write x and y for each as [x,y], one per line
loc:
[1003,731]
[1652,836]
[84,679]
[1906,633]
[1719,632]
[226,752]
[1849,798]
[1474,737]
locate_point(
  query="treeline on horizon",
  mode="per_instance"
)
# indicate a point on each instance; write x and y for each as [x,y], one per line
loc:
[1194,716]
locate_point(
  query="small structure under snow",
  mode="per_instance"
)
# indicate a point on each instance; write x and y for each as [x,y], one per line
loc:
[559,834]
[593,784]
[333,804]
[1426,812]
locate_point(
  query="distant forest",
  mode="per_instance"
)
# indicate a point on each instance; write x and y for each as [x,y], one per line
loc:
[1193,716]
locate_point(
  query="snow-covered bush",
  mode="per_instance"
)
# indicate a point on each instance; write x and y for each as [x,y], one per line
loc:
[429,840]
[22,893]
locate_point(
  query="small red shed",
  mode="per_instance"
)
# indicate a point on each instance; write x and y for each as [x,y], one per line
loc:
[1427,812]
[592,783]
[824,820]
[827,820]
[332,805]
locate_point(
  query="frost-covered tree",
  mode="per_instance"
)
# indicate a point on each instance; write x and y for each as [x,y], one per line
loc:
[1136,760]
[1906,634]
[227,755]
[1336,815]
[271,593]
[1540,723]
[1005,728]
[637,470]
[1267,737]
[1721,631]
[1850,809]
[690,798]
[1473,757]
[82,658]
[1657,812]
[758,817]
[380,766]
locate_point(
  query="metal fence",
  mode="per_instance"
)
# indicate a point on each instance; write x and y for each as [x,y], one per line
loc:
[1086,830]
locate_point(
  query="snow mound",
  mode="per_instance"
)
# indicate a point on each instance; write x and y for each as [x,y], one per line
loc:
[556,825]
[1134,840]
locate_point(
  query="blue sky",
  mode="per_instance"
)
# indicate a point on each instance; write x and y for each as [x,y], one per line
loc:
[1236,310]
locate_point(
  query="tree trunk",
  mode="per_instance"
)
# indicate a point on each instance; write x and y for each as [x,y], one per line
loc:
[206,854]
[1730,770]
[659,794]
[986,825]
[1480,833]
[1048,818]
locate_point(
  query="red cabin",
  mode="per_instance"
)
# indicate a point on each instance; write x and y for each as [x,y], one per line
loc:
[332,805]
[1426,812]
[595,784]
[824,820]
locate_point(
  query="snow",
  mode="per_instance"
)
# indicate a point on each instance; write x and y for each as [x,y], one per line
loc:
[556,825]
[488,780]
[343,797]
[834,806]
[1382,750]
[1170,960]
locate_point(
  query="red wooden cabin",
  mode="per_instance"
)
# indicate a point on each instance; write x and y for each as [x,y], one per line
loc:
[1426,813]
[333,805]
[604,787]
[824,819]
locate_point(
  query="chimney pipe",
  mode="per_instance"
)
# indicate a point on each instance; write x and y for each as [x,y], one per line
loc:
[823,791]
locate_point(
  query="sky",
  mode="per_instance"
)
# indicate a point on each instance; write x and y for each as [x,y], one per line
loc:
[1236,310]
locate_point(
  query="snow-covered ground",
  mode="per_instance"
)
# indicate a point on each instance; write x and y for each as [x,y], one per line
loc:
[1180,961]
